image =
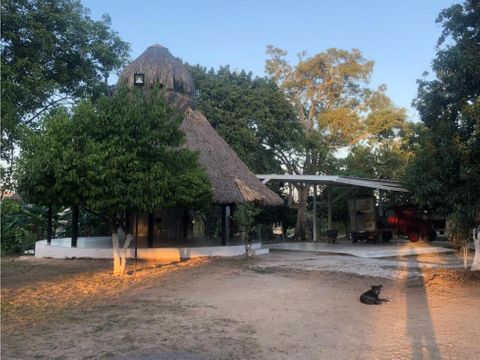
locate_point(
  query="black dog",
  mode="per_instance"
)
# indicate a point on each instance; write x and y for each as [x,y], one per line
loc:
[371,297]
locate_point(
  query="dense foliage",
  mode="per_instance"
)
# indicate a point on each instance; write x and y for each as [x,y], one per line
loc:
[445,173]
[122,154]
[21,226]
[250,113]
[52,53]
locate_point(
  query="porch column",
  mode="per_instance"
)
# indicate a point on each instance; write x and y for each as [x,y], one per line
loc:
[75,216]
[225,230]
[49,225]
[314,212]
[330,207]
[150,230]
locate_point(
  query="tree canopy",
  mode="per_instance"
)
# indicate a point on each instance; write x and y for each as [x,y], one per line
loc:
[122,154]
[446,168]
[53,52]
[336,108]
[250,113]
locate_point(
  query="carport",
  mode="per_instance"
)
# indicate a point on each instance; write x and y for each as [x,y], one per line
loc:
[348,182]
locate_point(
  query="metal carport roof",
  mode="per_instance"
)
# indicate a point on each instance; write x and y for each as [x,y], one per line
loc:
[335,180]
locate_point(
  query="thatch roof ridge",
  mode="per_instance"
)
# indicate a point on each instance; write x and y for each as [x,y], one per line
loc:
[232,180]
[159,67]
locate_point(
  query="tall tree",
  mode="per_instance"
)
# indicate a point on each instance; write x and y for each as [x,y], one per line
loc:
[36,169]
[125,156]
[446,170]
[251,114]
[52,53]
[330,94]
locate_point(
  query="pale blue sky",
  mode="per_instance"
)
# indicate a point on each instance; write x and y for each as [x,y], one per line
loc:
[399,35]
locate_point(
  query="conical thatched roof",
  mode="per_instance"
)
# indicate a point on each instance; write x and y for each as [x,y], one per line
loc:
[159,67]
[232,181]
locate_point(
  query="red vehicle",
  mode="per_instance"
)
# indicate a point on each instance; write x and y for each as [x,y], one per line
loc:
[396,220]
[409,221]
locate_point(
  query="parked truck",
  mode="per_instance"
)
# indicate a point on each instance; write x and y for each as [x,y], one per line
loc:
[408,220]
[396,220]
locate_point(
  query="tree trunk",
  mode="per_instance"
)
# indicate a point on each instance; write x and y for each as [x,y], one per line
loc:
[120,251]
[303,190]
[300,227]
[246,240]
[476,258]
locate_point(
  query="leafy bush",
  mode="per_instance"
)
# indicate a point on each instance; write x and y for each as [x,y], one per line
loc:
[21,226]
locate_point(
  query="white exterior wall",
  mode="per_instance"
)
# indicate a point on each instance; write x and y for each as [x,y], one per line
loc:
[58,250]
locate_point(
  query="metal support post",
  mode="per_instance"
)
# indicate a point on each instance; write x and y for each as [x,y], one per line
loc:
[330,207]
[314,212]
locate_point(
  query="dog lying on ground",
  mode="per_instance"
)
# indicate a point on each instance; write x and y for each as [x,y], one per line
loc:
[372,296]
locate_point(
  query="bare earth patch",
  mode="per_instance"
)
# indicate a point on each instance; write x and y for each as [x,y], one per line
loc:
[233,309]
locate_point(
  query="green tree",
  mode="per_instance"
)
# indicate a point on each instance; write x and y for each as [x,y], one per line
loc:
[244,216]
[52,53]
[336,108]
[125,155]
[46,151]
[446,168]
[250,113]
[386,160]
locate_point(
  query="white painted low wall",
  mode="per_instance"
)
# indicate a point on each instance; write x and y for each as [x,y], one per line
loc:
[60,249]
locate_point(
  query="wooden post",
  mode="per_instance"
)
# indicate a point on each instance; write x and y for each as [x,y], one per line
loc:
[49,225]
[150,230]
[75,216]
[225,230]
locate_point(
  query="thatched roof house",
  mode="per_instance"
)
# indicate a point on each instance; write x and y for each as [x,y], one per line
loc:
[232,181]
[160,67]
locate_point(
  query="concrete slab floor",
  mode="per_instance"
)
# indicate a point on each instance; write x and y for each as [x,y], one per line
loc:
[390,268]
[363,250]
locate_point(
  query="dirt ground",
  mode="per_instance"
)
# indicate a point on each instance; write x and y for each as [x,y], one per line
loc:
[258,308]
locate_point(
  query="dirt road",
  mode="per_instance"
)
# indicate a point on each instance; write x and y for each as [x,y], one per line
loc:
[232,309]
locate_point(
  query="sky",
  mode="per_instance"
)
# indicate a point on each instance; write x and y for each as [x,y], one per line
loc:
[399,36]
